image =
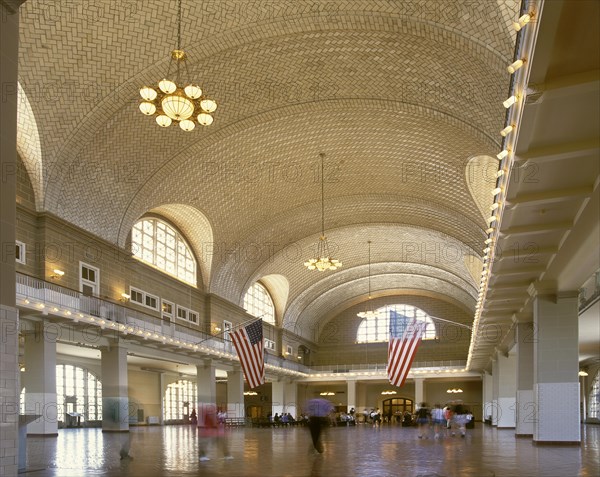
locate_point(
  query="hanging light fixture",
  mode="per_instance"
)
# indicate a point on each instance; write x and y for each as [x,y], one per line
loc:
[368,313]
[323,261]
[177,99]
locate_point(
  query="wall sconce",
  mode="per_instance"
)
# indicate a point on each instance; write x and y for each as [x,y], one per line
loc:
[217,329]
[327,393]
[124,297]
[250,393]
[388,392]
[57,274]
[454,390]
[583,373]
[299,357]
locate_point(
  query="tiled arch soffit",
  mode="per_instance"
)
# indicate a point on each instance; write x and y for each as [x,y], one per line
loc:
[28,145]
[398,227]
[331,302]
[479,53]
[210,168]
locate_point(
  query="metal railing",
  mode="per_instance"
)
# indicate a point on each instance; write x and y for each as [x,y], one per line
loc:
[348,368]
[64,301]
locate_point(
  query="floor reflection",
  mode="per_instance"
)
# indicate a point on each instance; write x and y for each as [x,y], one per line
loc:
[358,451]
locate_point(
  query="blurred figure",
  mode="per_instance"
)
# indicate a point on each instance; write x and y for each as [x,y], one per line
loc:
[438,419]
[210,429]
[125,446]
[318,410]
[423,415]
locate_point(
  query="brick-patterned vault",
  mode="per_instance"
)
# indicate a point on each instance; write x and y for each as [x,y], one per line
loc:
[399,95]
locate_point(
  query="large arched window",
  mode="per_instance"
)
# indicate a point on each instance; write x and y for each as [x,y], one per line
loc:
[78,390]
[160,245]
[258,302]
[180,399]
[377,328]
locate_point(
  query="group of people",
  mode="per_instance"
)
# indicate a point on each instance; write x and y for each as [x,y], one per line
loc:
[444,421]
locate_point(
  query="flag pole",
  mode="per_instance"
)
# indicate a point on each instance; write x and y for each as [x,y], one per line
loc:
[234,327]
[451,322]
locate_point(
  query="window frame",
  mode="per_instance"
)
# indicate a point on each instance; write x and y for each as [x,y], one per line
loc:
[188,312]
[20,252]
[256,306]
[138,249]
[380,324]
[269,344]
[95,285]
[165,315]
[145,295]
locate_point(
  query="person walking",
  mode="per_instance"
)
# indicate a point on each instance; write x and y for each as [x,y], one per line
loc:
[423,415]
[209,428]
[318,410]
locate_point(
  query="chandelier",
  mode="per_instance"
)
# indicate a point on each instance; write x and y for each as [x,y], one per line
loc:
[323,261]
[177,99]
[368,313]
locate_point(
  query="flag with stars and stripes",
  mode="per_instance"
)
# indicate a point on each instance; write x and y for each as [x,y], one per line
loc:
[405,336]
[248,342]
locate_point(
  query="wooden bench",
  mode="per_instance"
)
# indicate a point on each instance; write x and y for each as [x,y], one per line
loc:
[235,421]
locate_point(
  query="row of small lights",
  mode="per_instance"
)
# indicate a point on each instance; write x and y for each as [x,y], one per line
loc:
[383,373]
[77,317]
[515,105]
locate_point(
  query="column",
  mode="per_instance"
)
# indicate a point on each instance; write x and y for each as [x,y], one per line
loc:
[235,393]
[487,393]
[352,394]
[39,379]
[115,397]
[207,389]
[556,367]
[495,389]
[525,404]
[290,395]
[9,315]
[507,390]
[419,391]
[277,397]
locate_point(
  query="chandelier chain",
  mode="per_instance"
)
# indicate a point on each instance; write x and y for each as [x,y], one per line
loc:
[179,25]
[322,195]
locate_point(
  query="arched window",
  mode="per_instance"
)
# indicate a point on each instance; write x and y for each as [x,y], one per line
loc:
[78,390]
[257,302]
[180,398]
[394,408]
[377,328]
[158,244]
[594,398]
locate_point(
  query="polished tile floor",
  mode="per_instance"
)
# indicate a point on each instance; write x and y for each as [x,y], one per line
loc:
[360,451]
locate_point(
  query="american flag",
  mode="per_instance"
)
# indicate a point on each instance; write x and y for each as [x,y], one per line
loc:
[401,350]
[248,342]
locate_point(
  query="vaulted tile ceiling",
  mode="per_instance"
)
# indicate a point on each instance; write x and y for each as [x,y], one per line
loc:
[400,96]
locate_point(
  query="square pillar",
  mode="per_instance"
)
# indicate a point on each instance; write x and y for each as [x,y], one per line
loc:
[419,391]
[290,395]
[207,390]
[555,368]
[495,389]
[235,393]
[9,315]
[351,385]
[277,397]
[507,391]
[525,404]
[487,393]
[39,379]
[115,395]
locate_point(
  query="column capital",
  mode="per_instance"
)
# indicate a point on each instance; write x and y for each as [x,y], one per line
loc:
[545,287]
[522,317]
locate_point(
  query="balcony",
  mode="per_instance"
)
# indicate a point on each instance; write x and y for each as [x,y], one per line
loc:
[36,297]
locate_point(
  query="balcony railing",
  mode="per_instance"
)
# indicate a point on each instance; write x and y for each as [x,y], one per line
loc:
[57,300]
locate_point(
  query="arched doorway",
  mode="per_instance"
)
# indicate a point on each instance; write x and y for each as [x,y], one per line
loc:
[394,409]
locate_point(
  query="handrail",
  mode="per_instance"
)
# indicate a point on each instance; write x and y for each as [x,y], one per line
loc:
[75,302]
